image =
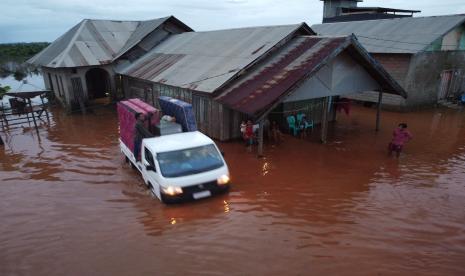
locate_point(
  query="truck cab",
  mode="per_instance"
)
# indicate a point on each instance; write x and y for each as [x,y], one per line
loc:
[183,166]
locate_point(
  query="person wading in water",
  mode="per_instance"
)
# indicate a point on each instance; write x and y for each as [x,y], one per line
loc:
[400,136]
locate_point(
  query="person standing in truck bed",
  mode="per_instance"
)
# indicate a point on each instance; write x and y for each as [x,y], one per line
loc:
[140,132]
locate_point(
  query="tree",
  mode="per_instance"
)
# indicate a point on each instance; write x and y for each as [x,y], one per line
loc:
[3,90]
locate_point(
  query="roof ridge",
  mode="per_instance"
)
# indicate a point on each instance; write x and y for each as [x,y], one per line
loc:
[250,27]
[164,17]
[124,20]
[116,20]
[393,19]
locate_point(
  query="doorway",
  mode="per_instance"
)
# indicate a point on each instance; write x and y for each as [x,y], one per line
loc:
[98,83]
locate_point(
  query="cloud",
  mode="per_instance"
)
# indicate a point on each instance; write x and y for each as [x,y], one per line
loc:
[46,20]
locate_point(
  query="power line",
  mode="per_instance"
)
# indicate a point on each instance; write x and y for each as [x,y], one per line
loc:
[216,76]
[404,42]
[390,40]
[392,47]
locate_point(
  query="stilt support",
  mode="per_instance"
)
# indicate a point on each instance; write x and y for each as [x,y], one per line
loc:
[33,116]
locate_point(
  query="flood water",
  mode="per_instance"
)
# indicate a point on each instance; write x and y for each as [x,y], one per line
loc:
[71,206]
[30,82]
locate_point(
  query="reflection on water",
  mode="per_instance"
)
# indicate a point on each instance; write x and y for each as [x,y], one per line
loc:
[28,81]
[72,206]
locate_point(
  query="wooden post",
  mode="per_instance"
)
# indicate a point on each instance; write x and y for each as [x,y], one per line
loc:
[324,121]
[82,105]
[260,138]
[378,111]
[4,117]
[33,117]
[44,108]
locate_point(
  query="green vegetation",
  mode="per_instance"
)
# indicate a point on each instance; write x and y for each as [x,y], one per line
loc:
[20,51]
[13,56]
[3,90]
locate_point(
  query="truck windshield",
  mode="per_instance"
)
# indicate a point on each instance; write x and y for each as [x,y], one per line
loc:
[189,161]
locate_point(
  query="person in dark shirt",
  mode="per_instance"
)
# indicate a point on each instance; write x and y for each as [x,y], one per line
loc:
[140,132]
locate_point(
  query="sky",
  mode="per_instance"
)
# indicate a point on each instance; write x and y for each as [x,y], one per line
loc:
[46,20]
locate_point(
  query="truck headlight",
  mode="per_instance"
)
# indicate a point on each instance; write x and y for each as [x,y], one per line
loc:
[223,180]
[171,190]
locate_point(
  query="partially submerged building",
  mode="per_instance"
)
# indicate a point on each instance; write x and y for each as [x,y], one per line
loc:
[425,55]
[79,65]
[227,75]
[231,75]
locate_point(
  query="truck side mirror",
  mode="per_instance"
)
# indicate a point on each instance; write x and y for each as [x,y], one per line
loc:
[150,168]
[222,153]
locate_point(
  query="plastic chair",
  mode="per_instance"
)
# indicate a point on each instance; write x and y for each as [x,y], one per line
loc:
[309,124]
[291,124]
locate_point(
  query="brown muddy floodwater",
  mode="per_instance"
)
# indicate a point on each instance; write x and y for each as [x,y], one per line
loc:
[69,205]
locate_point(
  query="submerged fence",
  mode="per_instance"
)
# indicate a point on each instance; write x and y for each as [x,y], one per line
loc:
[22,114]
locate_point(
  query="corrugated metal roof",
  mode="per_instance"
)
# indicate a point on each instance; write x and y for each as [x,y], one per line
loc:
[398,35]
[142,30]
[300,59]
[145,28]
[94,42]
[204,61]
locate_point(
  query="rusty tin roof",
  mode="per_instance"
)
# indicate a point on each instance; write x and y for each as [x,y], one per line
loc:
[270,82]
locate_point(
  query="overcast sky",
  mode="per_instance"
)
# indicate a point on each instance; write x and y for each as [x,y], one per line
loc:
[46,20]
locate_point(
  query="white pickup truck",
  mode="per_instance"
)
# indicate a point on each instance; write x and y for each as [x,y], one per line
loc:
[181,166]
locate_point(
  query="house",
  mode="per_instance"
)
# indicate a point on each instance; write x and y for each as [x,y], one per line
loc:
[79,65]
[425,55]
[348,10]
[230,75]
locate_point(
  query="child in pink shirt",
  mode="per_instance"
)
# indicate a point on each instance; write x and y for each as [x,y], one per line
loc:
[400,136]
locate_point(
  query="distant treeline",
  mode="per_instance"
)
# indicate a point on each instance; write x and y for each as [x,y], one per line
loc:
[20,51]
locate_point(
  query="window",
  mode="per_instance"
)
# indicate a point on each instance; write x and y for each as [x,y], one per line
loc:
[189,161]
[149,158]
